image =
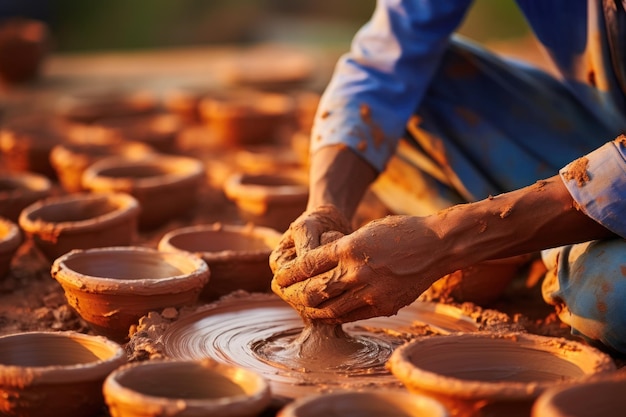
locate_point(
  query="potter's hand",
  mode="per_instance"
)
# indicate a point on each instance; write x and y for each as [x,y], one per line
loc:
[373,272]
[307,232]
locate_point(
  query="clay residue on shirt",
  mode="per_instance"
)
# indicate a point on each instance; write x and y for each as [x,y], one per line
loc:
[377,133]
[577,171]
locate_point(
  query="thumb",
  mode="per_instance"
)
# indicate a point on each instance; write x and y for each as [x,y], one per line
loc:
[307,265]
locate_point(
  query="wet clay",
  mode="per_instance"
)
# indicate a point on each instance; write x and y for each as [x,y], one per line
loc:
[249,330]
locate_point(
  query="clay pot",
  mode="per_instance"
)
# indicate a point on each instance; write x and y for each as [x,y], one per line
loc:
[91,105]
[602,396]
[261,159]
[24,45]
[185,389]
[111,288]
[247,117]
[367,403]
[238,256]
[55,373]
[272,200]
[80,221]
[185,102]
[166,186]
[21,189]
[70,160]
[26,143]
[10,240]
[478,374]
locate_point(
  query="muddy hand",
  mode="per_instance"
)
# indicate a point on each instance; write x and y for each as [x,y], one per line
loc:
[305,233]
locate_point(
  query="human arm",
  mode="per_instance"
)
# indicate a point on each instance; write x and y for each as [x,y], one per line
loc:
[388,263]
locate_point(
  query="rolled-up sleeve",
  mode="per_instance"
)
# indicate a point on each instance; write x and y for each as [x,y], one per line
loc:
[597,182]
[380,82]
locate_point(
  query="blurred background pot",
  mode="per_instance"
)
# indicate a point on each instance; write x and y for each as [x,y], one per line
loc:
[482,374]
[10,241]
[111,288]
[19,190]
[55,373]
[90,105]
[24,45]
[238,256]
[180,388]
[80,221]
[166,186]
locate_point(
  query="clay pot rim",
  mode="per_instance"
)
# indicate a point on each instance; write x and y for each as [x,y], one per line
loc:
[25,183]
[66,154]
[245,103]
[400,365]
[13,239]
[434,408]
[255,401]
[236,190]
[10,374]
[178,170]
[266,234]
[67,277]
[84,104]
[127,206]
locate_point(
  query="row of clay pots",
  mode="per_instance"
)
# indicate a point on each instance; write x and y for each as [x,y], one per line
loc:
[72,374]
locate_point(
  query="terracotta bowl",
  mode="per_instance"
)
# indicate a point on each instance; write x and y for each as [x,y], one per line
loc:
[70,160]
[19,190]
[178,388]
[247,117]
[166,186]
[262,159]
[367,403]
[55,373]
[26,143]
[88,106]
[57,225]
[603,396]
[184,101]
[111,288]
[10,240]
[479,374]
[271,200]
[238,256]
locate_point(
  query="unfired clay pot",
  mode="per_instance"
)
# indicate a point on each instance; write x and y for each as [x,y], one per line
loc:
[185,101]
[70,160]
[80,221]
[367,403]
[247,117]
[55,373]
[262,159]
[166,186]
[238,256]
[271,200]
[601,396]
[10,240]
[111,288]
[21,189]
[185,389]
[481,374]
[89,106]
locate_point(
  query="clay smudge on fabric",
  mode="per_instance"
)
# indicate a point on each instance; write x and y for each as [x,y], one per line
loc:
[577,171]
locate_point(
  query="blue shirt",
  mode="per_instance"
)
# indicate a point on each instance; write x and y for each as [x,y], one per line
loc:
[379,84]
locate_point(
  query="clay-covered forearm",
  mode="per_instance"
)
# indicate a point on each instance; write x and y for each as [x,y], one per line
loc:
[534,218]
[339,177]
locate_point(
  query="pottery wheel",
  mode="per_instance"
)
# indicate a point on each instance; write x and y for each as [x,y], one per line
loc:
[234,329]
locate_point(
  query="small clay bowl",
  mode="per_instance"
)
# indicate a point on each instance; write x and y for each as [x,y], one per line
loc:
[185,388]
[19,190]
[10,240]
[166,186]
[602,396]
[493,374]
[238,256]
[244,117]
[111,288]
[368,403]
[273,200]
[57,225]
[26,143]
[70,160]
[185,102]
[89,106]
[55,373]
[262,159]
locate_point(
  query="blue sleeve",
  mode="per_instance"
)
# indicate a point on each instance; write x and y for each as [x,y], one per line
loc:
[597,182]
[378,85]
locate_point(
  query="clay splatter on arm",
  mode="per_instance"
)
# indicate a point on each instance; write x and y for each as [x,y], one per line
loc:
[577,171]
